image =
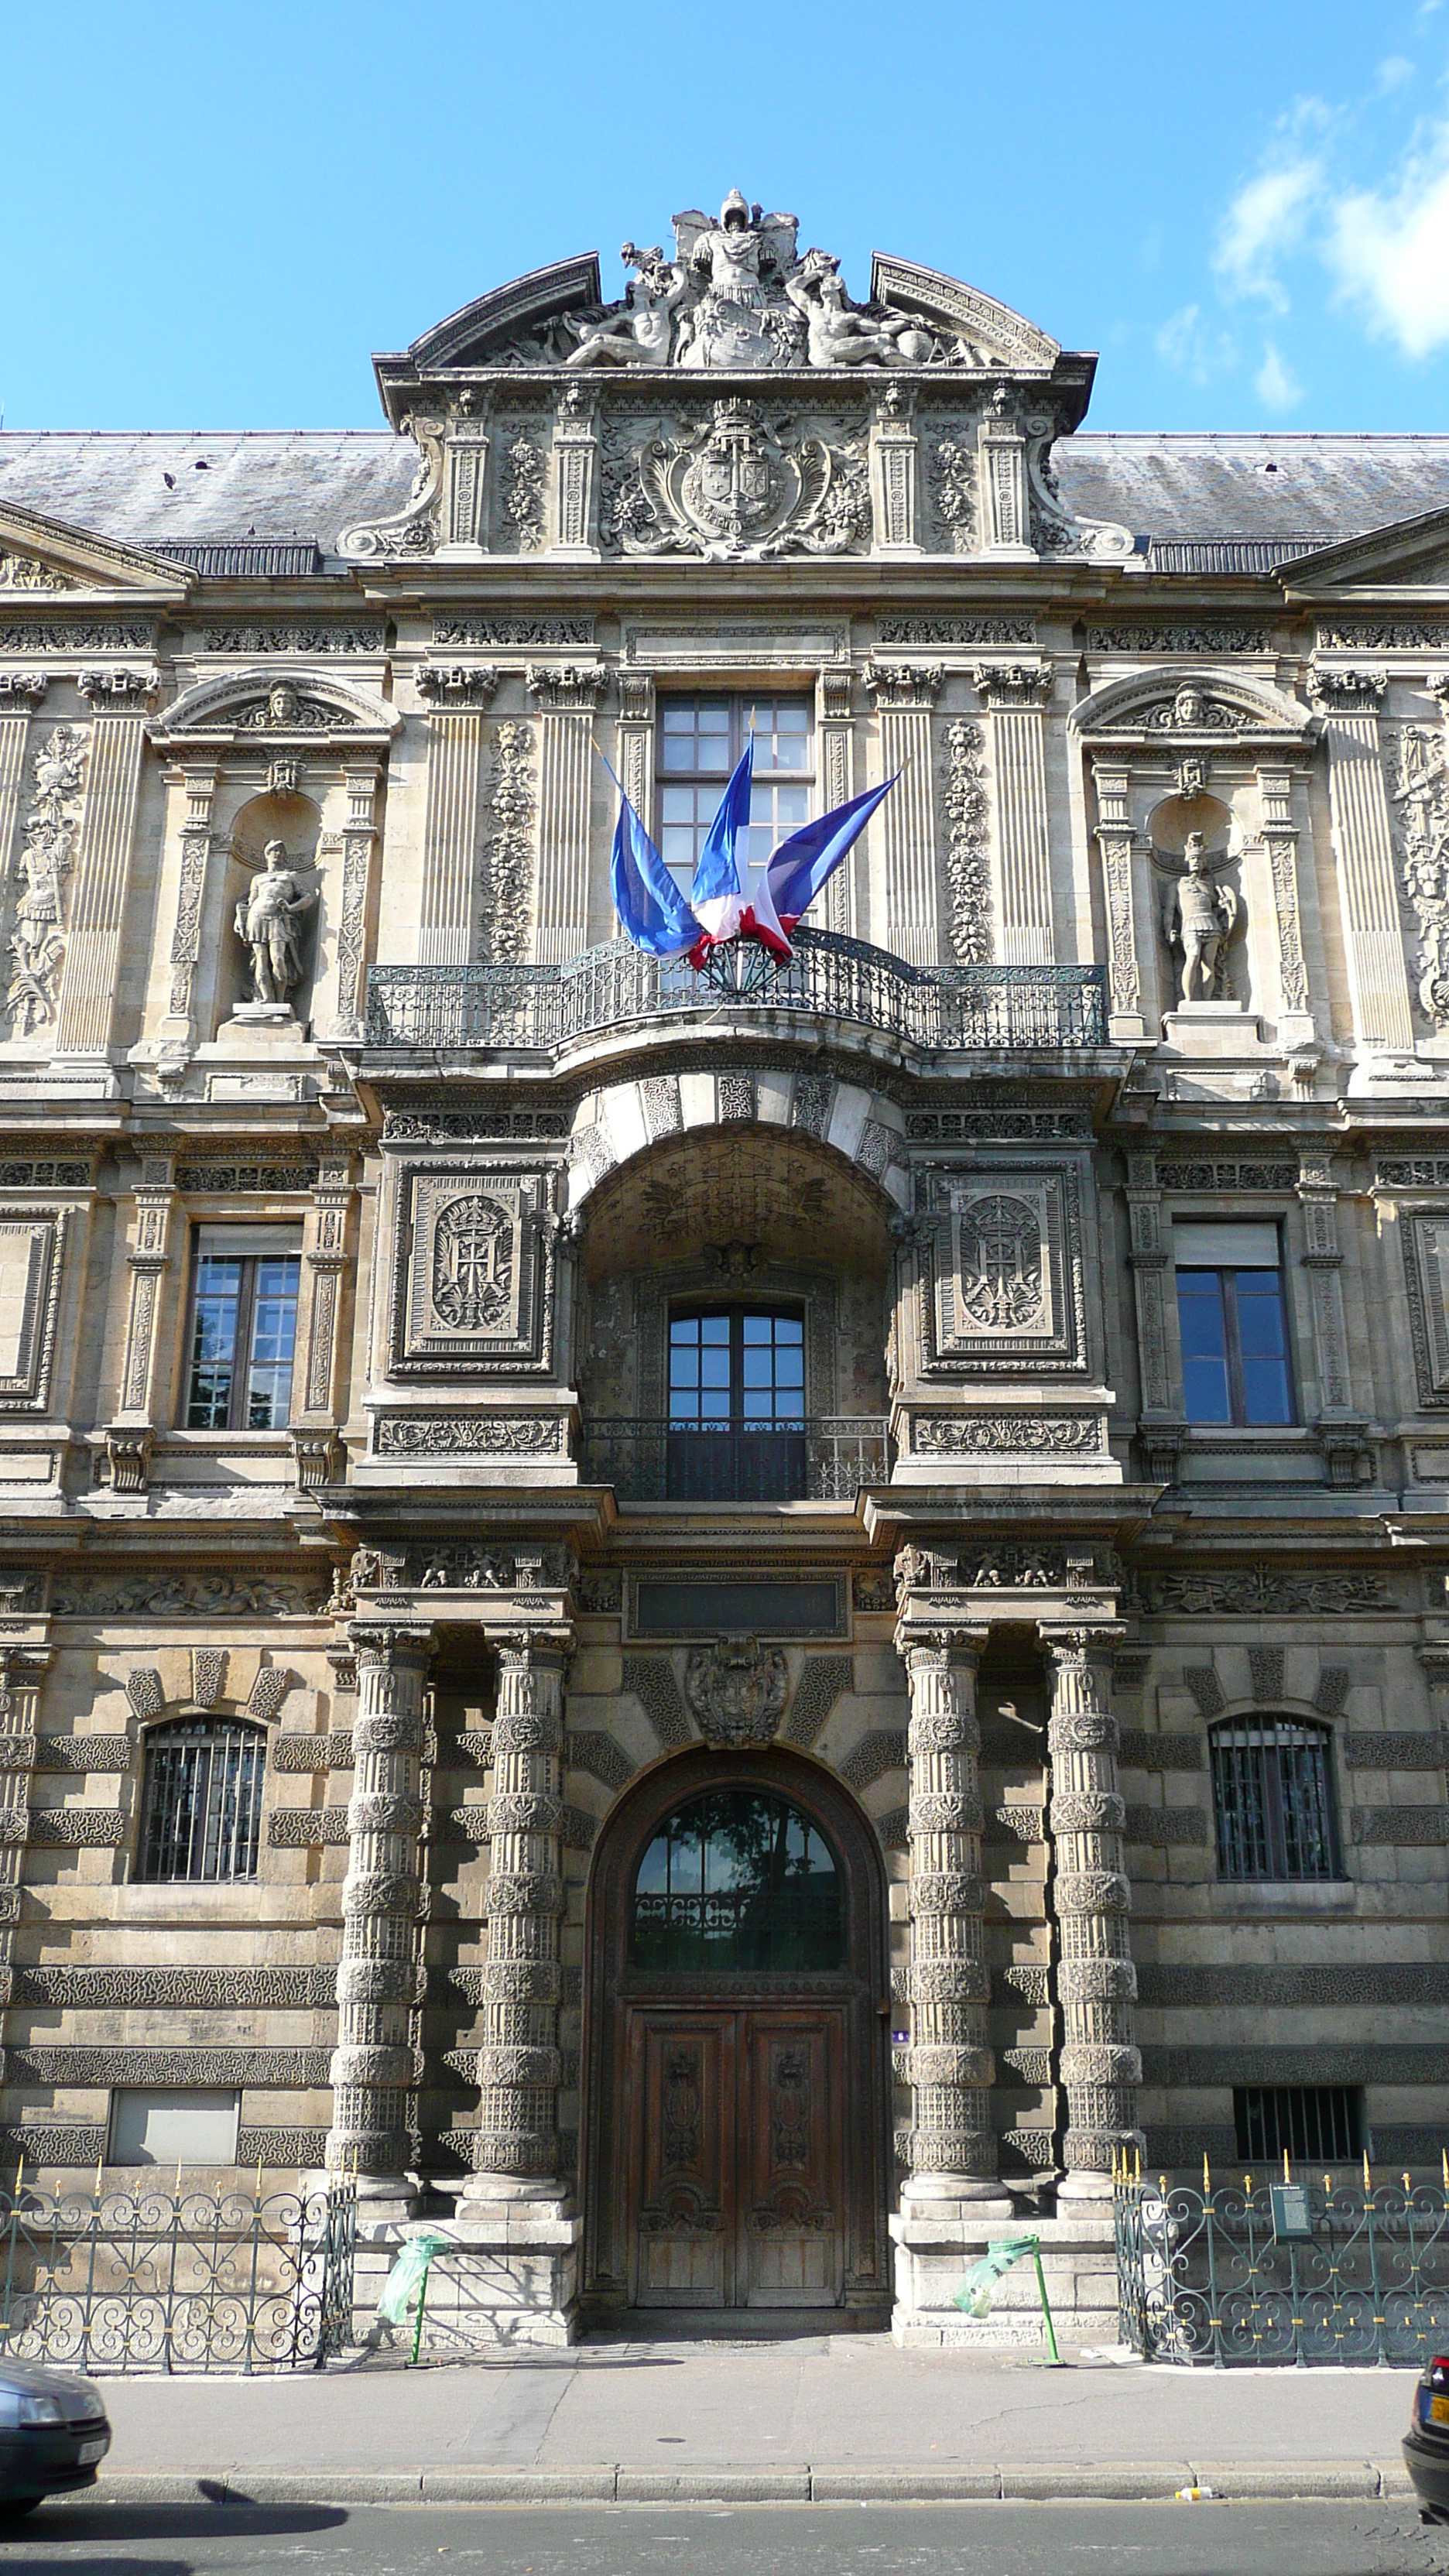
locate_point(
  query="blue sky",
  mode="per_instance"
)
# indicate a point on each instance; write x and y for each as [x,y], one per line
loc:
[212,217]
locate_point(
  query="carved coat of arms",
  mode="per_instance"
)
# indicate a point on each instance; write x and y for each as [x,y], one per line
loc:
[1001,1264]
[736,1690]
[472,1284]
[734,487]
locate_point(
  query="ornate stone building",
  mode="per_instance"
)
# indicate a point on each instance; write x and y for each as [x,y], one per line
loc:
[746,1614]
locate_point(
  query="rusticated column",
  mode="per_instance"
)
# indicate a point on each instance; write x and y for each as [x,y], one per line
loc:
[372,2070]
[953,2152]
[1101,2068]
[518,2065]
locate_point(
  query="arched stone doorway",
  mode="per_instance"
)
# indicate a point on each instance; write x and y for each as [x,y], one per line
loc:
[737,2044]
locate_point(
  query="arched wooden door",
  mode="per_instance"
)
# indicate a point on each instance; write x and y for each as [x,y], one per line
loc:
[735,2118]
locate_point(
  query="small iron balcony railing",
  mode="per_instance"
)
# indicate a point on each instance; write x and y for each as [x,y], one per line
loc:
[951,1009]
[826,1458]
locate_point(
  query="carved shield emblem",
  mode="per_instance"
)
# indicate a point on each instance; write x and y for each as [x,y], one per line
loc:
[472,1283]
[1001,1263]
[736,1689]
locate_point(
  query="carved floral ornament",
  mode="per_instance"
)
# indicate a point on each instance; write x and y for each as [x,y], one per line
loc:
[736,1690]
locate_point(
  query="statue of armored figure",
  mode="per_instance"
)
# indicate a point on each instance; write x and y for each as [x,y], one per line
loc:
[269,918]
[1199,918]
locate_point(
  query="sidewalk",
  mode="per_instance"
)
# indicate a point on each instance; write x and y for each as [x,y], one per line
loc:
[818,2417]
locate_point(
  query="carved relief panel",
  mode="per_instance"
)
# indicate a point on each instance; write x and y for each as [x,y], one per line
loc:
[30,1267]
[473,1290]
[1001,1285]
[1426,1262]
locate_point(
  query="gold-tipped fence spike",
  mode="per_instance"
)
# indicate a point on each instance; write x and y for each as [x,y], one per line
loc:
[1367,2177]
[1286,2175]
[1207,2180]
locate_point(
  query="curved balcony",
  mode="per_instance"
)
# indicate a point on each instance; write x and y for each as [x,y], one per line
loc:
[940,1009]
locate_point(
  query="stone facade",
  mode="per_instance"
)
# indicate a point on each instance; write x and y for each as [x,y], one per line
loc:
[1021,1597]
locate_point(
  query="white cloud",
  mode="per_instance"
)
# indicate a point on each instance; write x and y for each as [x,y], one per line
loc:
[1389,249]
[1264,222]
[1185,340]
[1277,387]
[1394,72]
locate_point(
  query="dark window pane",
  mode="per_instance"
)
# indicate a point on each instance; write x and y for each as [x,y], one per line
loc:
[273,1341]
[213,1342]
[1263,1340]
[738,1880]
[1272,1801]
[1202,1323]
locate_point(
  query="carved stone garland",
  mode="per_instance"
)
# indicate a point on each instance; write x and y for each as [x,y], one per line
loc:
[507,910]
[968,857]
[373,2068]
[950,2065]
[518,2064]
[1101,2069]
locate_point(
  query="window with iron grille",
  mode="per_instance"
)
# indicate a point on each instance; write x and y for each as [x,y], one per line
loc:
[700,742]
[1314,2123]
[243,1334]
[202,1804]
[1273,1799]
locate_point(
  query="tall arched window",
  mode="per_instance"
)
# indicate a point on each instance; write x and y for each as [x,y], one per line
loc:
[202,1802]
[1273,1799]
[738,1880]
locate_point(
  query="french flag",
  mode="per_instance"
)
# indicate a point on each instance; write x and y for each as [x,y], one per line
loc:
[798,869]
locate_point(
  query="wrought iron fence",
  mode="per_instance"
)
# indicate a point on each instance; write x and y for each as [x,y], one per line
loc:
[1303,2269]
[957,1009]
[146,2279]
[826,1458]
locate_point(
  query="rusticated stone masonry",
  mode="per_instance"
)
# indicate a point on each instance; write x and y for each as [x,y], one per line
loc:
[1101,2068]
[518,2064]
[950,2065]
[373,2071]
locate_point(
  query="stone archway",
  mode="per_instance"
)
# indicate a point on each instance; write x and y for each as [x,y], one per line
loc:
[735,2123]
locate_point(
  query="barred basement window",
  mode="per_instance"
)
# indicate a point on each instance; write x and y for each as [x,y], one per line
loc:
[202,1805]
[1272,1800]
[1315,2123]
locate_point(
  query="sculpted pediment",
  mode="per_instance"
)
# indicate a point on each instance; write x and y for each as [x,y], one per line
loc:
[276,710]
[1408,554]
[1181,710]
[43,558]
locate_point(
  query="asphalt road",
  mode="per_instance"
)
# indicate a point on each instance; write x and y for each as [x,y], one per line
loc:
[750,2540]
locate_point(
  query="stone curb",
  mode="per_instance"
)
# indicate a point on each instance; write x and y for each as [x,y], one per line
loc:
[1015,2482]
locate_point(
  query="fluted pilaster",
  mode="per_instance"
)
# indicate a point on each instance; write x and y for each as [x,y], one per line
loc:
[377,1981]
[1100,2066]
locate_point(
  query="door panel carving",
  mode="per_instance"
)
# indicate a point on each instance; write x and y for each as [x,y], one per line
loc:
[792,2235]
[682,2073]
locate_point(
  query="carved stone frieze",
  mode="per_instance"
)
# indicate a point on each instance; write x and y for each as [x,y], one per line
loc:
[31,572]
[950,1435]
[170,1594]
[1248,1591]
[36,941]
[1418,782]
[481,1434]
[736,1691]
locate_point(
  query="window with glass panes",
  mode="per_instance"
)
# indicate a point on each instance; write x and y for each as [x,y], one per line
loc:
[243,1335]
[1233,1323]
[1273,1799]
[734,1367]
[700,741]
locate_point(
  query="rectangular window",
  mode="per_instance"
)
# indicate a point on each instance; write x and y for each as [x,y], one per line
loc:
[202,1799]
[172,2127]
[1233,1323]
[700,741]
[1317,2124]
[736,1406]
[1272,1800]
[243,1327]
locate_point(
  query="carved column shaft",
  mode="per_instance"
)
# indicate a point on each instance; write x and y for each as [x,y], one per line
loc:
[20,693]
[894,473]
[1358,799]
[518,2064]
[373,2066]
[1117,842]
[904,695]
[22,1670]
[568,698]
[1016,694]
[951,2068]
[1323,1262]
[324,1259]
[835,731]
[1150,1262]
[576,473]
[450,824]
[1280,842]
[465,480]
[84,1015]
[1101,2068]
[359,840]
[199,784]
[636,742]
[1003,508]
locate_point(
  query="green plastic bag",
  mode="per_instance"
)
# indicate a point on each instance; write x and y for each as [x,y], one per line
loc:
[403,2286]
[974,2294]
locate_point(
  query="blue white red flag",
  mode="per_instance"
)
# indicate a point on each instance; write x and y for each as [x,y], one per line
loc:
[652,911]
[715,897]
[796,871]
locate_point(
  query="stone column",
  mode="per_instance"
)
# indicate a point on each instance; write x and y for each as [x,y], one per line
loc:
[1341,1426]
[1349,703]
[568,697]
[20,695]
[465,461]
[1149,1257]
[1117,841]
[1101,2068]
[576,474]
[951,2069]
[198,782]
[1003,507]
[359,840]
[455,699]
[91,975]
[636,742]
[894,482]
[130,1436]
[1016,693]
[518,2064]
[904,694]
[834,692]
[373,2070]
[22,1671]
[325,1257]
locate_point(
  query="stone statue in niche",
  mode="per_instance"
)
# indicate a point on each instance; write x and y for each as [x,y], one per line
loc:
[1200,916]
[269,919]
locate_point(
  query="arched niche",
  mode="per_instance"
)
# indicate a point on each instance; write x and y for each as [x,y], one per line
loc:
[276,815]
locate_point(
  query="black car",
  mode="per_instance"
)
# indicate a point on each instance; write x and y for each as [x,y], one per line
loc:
[53,2433]
[1426,2443]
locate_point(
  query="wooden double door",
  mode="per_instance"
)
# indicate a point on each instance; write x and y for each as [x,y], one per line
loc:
[736,2117]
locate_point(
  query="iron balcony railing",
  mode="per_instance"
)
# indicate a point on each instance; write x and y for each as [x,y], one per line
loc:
[826,1458]
[952,1009]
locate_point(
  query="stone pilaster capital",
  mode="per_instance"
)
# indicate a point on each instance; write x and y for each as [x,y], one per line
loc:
[390,1646]
[1081,1649]
[23,689]
[941,1646]
[903,684]
[1005,685]
[120,693]
[1348,692]
[461,688]
[636,697]
[533,1650]
[568,688]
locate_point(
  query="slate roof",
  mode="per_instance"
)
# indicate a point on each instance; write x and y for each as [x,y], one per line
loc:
[1272,495]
